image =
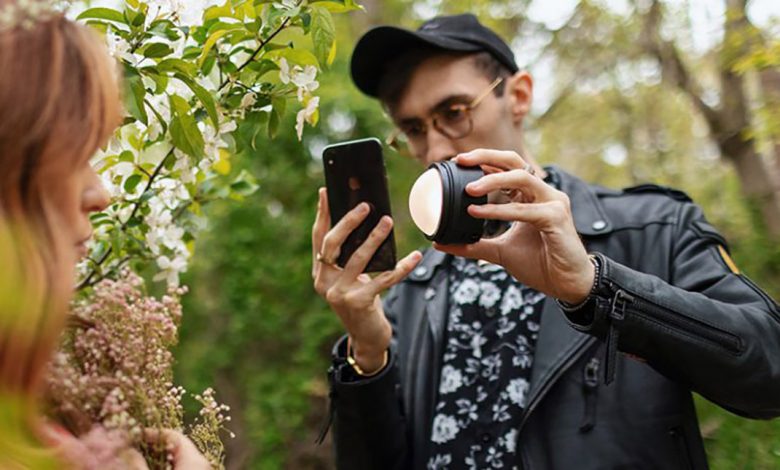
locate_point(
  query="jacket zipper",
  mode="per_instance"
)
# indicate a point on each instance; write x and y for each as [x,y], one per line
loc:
[617,313]
[650,312]
[590,386]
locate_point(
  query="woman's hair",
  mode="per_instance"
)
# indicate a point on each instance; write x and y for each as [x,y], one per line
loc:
[59,102]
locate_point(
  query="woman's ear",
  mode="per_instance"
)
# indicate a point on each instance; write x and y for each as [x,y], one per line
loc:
[520,91]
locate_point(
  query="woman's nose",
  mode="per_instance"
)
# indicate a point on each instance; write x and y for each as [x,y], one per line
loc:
[96,197]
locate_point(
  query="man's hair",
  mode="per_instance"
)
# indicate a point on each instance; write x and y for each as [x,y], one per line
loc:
[400,70]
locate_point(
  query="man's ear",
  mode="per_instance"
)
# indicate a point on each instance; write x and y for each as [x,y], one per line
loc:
[520,91]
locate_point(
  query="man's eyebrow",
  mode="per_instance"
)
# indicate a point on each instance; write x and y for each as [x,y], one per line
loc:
[459,98]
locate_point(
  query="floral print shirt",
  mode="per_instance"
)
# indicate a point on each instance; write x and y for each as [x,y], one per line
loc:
[491,334]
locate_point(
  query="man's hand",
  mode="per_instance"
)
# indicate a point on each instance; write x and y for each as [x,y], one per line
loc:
[542,248]
[354,296]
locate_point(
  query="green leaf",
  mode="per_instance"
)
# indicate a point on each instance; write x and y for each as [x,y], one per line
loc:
[135,94]
[273,124]
[161,81]
[136,18]
[221,11]
[204,96]
[162,122]
[164,28]
[279,105]
[338,7]
[132,182]
[261,67]
[323,33]
[296,56]
[177,65]
[156,50]
[184,129]
[212,40]
[103,14]
[245,184]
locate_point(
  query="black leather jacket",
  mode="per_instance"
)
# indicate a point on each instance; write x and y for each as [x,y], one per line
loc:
[666,299]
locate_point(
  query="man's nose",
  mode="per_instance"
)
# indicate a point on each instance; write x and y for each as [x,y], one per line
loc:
[439,148]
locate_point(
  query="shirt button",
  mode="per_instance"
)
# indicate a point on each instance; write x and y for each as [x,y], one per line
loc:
[419,272]
[486,438]
[599,225]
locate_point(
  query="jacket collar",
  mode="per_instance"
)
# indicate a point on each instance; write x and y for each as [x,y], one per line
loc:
[427,267]
[590,218]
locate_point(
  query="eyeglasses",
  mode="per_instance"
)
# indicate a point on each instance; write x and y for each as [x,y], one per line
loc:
[453,122]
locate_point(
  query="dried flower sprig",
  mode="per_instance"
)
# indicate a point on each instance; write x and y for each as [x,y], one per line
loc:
[115,370]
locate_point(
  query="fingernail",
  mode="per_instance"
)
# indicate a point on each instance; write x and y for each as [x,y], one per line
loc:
[363,208]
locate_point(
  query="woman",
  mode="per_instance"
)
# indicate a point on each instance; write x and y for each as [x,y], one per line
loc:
[59,102]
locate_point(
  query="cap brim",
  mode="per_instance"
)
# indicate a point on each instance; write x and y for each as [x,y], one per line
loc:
[379,46]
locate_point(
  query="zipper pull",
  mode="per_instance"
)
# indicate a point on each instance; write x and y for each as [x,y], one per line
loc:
[590,386]
[617,314]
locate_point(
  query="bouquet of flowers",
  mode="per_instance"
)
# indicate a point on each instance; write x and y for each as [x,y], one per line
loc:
[113,375]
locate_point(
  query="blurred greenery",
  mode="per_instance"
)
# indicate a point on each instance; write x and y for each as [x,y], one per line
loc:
[256,329]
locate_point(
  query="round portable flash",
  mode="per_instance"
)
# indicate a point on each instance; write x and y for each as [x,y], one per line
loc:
[438,203]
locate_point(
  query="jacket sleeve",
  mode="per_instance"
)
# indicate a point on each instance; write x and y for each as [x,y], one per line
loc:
[708,327]
[369,429]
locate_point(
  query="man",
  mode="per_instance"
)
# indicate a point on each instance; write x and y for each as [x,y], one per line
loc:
[571,340]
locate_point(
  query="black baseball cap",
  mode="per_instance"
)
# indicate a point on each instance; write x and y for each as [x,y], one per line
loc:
[458,33]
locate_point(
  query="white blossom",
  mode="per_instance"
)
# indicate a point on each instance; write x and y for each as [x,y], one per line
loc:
[513,299]
[306,114]
[445,428]
[510,441]
[248,100]
[305,81]
[183,166]
[490,294]
[171,268]
[439,462]
[516,390]
[303,78]
[117,46]
[284,71]
[451,379]
[467,292]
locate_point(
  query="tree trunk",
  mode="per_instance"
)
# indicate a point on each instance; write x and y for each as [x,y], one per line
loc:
[770,91]
[730,122]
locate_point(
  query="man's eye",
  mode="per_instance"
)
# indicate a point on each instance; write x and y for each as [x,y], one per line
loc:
[454,114]
[413,130]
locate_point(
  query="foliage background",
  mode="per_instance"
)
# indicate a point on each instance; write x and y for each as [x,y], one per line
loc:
[253,325]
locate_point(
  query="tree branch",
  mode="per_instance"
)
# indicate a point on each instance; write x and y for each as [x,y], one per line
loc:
[672,65]
[257,50]
[87,281]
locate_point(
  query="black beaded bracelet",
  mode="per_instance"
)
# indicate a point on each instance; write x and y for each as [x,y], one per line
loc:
[569,308]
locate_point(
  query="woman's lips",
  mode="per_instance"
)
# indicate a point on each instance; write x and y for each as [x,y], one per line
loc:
[81,246]
[81,249]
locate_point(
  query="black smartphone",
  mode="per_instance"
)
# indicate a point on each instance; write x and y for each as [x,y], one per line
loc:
[354,173]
